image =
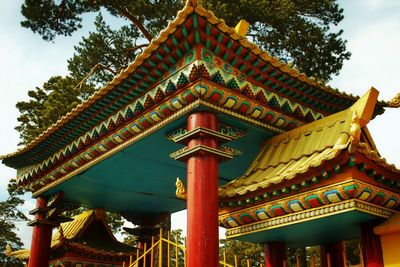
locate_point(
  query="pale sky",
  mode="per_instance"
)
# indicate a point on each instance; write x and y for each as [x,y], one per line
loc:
[371,27]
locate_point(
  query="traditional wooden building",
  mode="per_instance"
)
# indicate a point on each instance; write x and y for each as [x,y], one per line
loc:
[320,183]
[201,93]
[86,241]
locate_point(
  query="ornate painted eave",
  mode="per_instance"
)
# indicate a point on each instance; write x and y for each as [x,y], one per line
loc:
[286,156]
[316,172]
[193,26]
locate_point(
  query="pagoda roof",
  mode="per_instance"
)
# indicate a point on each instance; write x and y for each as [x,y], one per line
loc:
[288,155]
[192,26]
[75,235]
[22,254]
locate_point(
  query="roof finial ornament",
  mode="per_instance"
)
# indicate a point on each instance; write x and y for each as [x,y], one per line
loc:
[61,234]
[395,101]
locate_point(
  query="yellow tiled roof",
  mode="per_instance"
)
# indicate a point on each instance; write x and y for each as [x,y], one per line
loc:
[22,254]
[287,155]
[74,229]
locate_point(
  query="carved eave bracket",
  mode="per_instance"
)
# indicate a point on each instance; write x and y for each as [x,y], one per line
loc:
[225,133]
[51,214]
[180,189]
[355,132]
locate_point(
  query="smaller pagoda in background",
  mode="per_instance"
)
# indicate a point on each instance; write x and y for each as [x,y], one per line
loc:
[87,241]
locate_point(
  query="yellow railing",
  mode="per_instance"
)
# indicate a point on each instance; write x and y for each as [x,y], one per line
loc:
[168,253]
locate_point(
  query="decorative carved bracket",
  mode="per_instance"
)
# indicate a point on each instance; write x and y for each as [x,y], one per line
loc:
[180,189]
[225,133]
[355,132]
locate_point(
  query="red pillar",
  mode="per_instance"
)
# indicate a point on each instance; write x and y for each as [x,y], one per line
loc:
[41,237]
[275,254]
[335,252]
[202,195]
[372,250]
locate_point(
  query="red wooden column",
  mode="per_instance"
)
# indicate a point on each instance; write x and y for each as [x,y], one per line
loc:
[372,250]
[41,236]
[275,254]
[336,254]
[202,194]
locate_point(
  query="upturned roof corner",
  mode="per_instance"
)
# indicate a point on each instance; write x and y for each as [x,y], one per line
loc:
[242,28]
[365,106]
[288,155]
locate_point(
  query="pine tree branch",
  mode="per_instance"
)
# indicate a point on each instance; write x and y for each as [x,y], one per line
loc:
[137,23]
[98,65]
[61,8]
[133,49]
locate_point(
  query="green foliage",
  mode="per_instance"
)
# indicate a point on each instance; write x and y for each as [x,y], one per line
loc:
[9,215]
[50,19]
[301,33]
[353,251]
[47,104]
[113,49]
[175,237]
[297,32]
[244,251]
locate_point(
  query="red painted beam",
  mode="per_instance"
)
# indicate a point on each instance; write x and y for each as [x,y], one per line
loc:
[202,196]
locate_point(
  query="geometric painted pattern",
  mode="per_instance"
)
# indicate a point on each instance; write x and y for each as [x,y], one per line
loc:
[236,75]
[223,73]
[116,130]
[306,215]
[313,199]
[248,71]
[137,117]
[317,200]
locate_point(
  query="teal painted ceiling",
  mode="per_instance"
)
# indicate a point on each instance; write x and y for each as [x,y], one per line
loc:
[141,178]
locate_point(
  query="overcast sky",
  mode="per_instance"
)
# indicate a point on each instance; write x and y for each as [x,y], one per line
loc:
[372,28]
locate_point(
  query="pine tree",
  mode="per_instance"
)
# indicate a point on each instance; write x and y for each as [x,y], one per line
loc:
[47,104]
[301,33]
[104,52]
[9,215]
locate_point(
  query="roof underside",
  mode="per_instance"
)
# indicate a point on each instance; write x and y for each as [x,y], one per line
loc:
[192,27]
[141,178]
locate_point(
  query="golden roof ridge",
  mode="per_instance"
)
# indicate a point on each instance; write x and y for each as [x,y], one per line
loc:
[310,146]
